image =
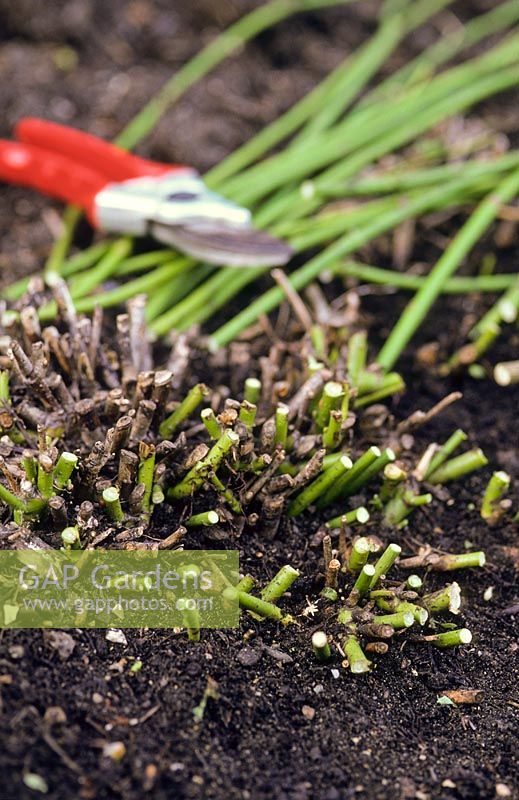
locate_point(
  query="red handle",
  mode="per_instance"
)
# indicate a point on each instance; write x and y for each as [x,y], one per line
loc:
[51,174]
[115,163]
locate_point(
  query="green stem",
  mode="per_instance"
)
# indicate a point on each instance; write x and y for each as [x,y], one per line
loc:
[401,506]
[330,400]
[255,604]
[157,495]
[506,373]
[175,291]
[404,121]
[318,486]
[403,180]
[280,583]
[248,413]
[385,562]
[106,267]
[6,496]
[66,465]
[212,425]
[45,482]
[398,620]
[252,391]
[359,515]
[336,83]
[412,283]
[446,599]
[197,475]
[332,432]
[451,638]
[452,444]
[246,584]
[204,518]
[369,472]
[113,504]
[227,495]
[358,70]
[419,70]
[494,492]
[359,466]
[393,477]
[458,467]
[146,284]
[193,399]
[148,260]
[70,538]
[301,277]
[62,244]
[357,355]
[5,397]
[93,278]
[505,310]
[281,420]
[83,260]
[363,582]
[145,477]
[320,646]
[357,661]
[359,554]
[420,614]
[29,464]
[392,383]
[459,248]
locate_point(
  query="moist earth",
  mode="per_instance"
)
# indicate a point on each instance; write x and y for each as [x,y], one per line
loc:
[284,726]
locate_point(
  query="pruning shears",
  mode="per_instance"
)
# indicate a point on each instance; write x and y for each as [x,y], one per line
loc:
[123,193]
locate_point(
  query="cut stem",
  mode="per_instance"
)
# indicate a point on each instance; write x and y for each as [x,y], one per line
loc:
[320,646]
[187,406]
[281,421]
[66,465]
[363,582]
[458,467]
[398,620]
[198,474]
[255,604]
[342,485]
[385,562]
[494,492]
[280,583]
[113,504]
[360,515]
[451,638]
[359,554]
[320,485]
[357,661]
[204,518]
[446,599]
[211,423]
[252,391]
[452,444]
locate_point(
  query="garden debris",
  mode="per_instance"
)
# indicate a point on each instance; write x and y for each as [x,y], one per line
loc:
[63,643]
[117,636]
[465,696]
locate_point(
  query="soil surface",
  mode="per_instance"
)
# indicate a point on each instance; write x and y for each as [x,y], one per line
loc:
[283,726]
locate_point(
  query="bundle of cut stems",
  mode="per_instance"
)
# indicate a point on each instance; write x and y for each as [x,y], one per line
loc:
[335,137]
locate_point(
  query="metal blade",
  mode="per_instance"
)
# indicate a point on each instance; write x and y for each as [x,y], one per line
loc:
[225,245]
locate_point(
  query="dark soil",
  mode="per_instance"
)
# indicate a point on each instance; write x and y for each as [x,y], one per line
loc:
[377,736]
